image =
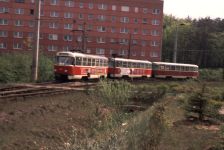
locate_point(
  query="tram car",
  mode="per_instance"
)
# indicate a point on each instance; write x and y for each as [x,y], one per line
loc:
[74,65]
[174,70]
[122,68]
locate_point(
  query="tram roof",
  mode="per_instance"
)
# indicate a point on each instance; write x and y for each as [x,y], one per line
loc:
[132,60]
[175,64]
[74,54]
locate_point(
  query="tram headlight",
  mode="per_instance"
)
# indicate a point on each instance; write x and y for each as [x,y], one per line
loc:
[65,70]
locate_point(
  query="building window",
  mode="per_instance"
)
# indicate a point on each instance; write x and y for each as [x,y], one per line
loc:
[145,10]
[124,30]
[68,15]
[54,14]
[156,11]
[101,17]
[154,54]
[101,29]
[90,27]
[68,26]
[67,48]
[114,7]
[144,43]
[81,5]
[81,16]
[68,38]
[135,20]
[113,18]
[4,10]
[113,41]
[155,33]
[53,25]
[100,51]
[3,45]
[88,51]
[124,19]
[52,48]
[90,16]
[134,42]
[54,2]
[53,37]
[17,34]
[154,43]
[18,23]
[135,31]
[142,53]
[136,9]
[30,35]
[144,32]
[31,24]
[125,8]
[79,38]
[17,46]
[113,29]
[3,22]
[144,20]
[123,52]
[31,11]
[155,22]
[69,3]
[102,6]
[133,53]
[19,11]
[90,5]
[89,39]
[123,41]
[112,51]
[3,33]
[80,27]
[101,40]
[20,1]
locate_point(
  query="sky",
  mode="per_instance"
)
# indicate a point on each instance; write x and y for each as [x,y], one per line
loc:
[194,8]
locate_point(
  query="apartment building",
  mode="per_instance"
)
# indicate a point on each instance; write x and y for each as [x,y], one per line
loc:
[128,28]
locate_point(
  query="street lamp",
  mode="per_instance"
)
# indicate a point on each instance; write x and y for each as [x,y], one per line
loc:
[176,42]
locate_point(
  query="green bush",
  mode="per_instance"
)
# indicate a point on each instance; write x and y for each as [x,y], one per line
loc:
[114,92]
[16,67]
[211,74]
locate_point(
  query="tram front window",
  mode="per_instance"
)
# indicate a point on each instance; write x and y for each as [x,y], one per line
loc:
[65,60]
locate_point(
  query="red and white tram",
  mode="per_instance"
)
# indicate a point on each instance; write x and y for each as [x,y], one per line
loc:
[121,67]
[174,70]
[74,65]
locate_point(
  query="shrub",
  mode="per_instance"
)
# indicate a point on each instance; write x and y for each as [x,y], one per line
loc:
[197,103]
[211,74]
[16,67]
[114,92]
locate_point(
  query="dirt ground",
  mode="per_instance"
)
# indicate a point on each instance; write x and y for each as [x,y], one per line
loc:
[38,123]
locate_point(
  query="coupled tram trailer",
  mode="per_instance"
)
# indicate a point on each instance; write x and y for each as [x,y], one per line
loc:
[74,65]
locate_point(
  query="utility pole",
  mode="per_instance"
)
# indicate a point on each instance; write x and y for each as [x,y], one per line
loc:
[175,45]
[129,46]
[84,37]
[36,46]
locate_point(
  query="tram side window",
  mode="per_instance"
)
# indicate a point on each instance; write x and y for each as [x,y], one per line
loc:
[149,66]
[178,68]
[187,68]
[162,67]
[84,62]
[119,64]
[129,64]
[97,62]
[142,65]
[134,65]
[167,67]
[101,62]
[105,63]
[172,67]
[78,60]
[125,64]
[89,62]
[182,68]
[93,62]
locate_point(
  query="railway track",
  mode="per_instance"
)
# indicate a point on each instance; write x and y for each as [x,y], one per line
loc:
[42,89]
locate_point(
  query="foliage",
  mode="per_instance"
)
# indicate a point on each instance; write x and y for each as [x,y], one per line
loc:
[114,93]
[16,67]
[197,103]
[200,41]
[211,74]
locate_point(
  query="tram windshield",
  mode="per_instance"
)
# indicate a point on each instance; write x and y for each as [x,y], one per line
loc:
[64,60]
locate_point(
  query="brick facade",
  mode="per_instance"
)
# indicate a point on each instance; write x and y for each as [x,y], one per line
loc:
[124,27]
